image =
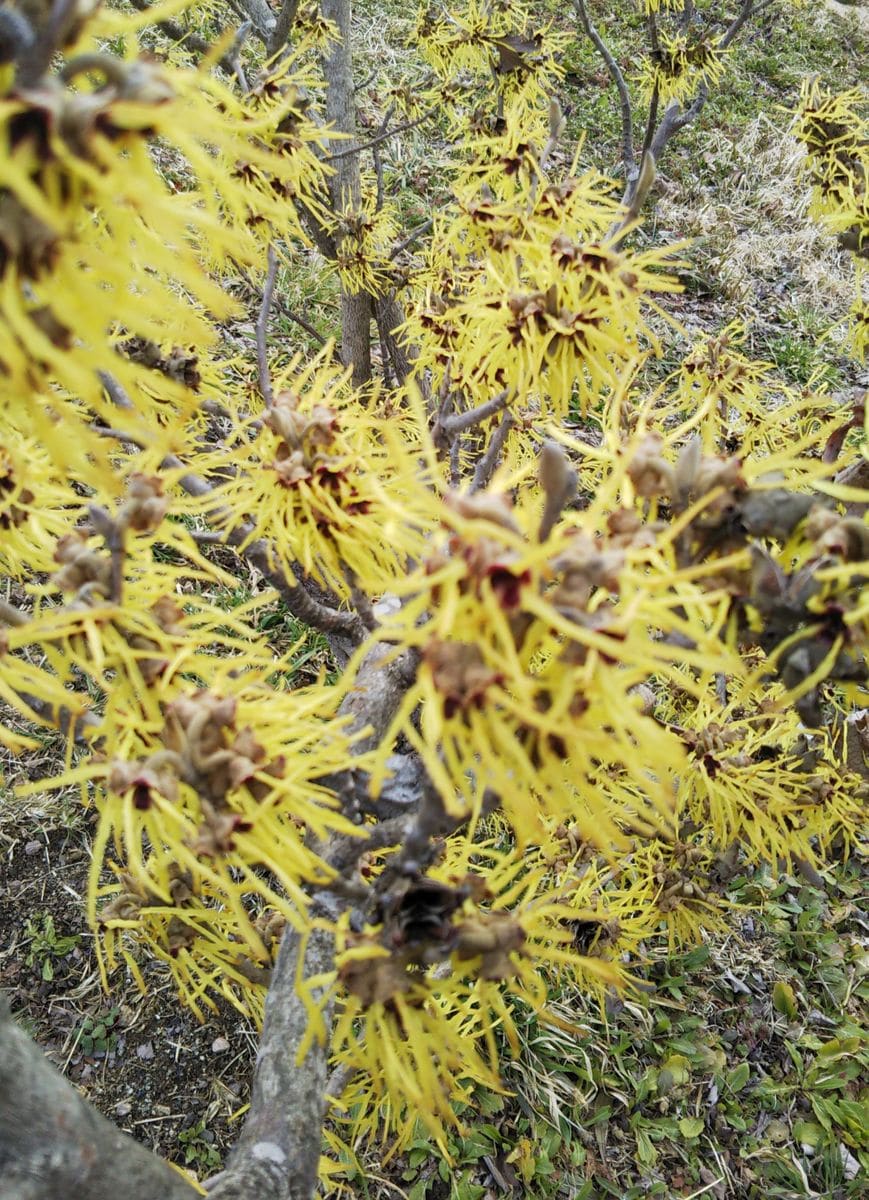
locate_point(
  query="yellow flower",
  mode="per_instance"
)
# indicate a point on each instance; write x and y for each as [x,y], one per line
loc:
[556,319]
[334,486]
[532,699]
[99,240]
[364,235]
[682,63]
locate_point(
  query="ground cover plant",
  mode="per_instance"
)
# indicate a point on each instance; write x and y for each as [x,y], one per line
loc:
[445,650]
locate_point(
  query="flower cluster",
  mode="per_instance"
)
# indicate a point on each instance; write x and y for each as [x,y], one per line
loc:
[424,989]
[86,212]
[364,235]
[332,482]
[529,654]
[680,65]
[511,300]
[482,42]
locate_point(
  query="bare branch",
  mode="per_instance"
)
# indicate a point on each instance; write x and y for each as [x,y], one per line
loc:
[747,10]
[460,422]
[302,323]
[262,321]
[361,602]
[36,58]
[278,1153]
[289,313]
[619,80]
[11,615]
[260,15]
[113,533]
[676,118]
[285,20]
[486,466]
[382,137]
[187,38]
[412,237]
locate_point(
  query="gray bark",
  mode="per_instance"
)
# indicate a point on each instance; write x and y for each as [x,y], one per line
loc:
[345,187]
[278,1153]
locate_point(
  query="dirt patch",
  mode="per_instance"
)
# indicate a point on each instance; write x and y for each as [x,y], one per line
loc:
[143,1060]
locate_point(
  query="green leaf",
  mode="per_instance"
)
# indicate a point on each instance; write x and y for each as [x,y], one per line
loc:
[807,1133]
[783,1000]
[691,1127]
[646,1152]
[679,1068]
[738,1077]
[696,958]
[47,970]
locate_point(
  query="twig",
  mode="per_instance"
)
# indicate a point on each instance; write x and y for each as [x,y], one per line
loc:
[234,55]
[382,137]
[412,237]
[459,422]
[261,16]
[112,532]
[190,40]
[118,435]
[207,537]
[287,312]
[115,392]
[655,47]
[339,1081]
[262,360]
[359,87]
[739,20]
[619,80]
[456,463]
[36,59]
[285,21]
[486,465]
[306,325]
[378,161]
[361,602]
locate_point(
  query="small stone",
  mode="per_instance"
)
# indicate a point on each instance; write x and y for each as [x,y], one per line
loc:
[33,847]
[219,1045]
[123,1108]
[145,1050]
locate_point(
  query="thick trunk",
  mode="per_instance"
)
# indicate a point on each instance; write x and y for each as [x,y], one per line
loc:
[345,186]
[278,1153]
